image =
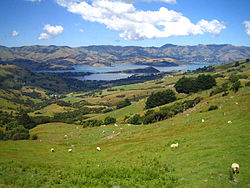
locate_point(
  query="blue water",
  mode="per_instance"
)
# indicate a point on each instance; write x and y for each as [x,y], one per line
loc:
[101,72]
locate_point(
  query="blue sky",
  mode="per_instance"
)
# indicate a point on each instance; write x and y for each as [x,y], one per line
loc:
[124,22]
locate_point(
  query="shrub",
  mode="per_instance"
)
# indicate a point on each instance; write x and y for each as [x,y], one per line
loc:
[160,98]
[109,120]
[123,104]
[247,84]
[34,137]
[18,133]
[1,134]
[213,107]
[136,120]
[236,86]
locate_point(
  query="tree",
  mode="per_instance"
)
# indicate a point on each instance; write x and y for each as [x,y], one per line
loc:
[109,120]
[123,104]
[186,85]
[236,86]
[205,82]
[160,98]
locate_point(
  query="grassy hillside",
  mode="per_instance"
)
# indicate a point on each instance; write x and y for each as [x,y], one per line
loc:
[139,155]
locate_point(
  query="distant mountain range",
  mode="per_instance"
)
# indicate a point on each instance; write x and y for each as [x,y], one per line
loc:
[63,57]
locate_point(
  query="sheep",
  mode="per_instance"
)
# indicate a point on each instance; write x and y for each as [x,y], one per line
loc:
[202,120]
[65,136]
[113,132]
[116,125]
[236,103]
[229,122]
[69,150]
[175,145]
[103,131]
[98,148]
[235,168]
[77,128]
[52,150]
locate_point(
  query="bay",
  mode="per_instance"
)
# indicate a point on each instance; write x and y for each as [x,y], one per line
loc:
[101,73]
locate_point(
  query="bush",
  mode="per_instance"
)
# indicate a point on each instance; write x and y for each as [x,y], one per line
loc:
[160,98]
[136,120]
[34,137]
[109,120]
[1,134]
[123,104]
[236,86]
[213,107]
[18,133]
[93,123]
[247,84]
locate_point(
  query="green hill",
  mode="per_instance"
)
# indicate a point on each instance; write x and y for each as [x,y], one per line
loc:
[140,155]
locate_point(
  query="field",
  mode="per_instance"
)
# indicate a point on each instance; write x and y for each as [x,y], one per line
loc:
[141,155]
[138,155]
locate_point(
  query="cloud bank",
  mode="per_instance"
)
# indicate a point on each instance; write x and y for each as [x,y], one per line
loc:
[14,33]
[53,31]
[247,27]
[137,25]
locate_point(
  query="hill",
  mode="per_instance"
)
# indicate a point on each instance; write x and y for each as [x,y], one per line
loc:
[63,57]
[210,139]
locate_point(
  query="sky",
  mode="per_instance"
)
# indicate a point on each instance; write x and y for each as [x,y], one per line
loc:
[124,22]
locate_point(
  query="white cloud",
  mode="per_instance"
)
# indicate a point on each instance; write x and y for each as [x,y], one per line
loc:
[137,25]
[34,0]
[53,31]
[166,1]
[81,30]
[14,33]
[247,27]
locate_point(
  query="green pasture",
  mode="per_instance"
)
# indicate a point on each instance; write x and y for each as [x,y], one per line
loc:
[139,156]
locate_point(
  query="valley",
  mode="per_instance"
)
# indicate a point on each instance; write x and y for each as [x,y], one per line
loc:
[135,148]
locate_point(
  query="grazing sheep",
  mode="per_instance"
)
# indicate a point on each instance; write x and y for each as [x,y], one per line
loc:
[235,168]
[113,132]
[103,131]
[202,120]
[52,150]
[65,136]
[116,125]
[229,122]
[77,127]
[69,150]
[98,148]
[174,145]
[236,103]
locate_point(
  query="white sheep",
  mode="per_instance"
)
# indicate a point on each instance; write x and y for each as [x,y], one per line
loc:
[103,131]
[65,136]
[98,148]
[52,150]
[175,145]
[69,150]
[235,168]
[202,120]
[116,125]
[113,132]
[229,122]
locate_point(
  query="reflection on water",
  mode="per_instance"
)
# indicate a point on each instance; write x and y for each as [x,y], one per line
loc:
[105,76]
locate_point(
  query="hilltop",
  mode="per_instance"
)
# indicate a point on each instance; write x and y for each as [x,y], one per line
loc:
[63,57]
[210,125]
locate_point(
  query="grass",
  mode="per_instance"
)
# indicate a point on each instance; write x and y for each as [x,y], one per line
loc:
[50,110]
[141,155]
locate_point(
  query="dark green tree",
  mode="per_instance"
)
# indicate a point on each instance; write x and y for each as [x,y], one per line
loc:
[160,98]
[109,120]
